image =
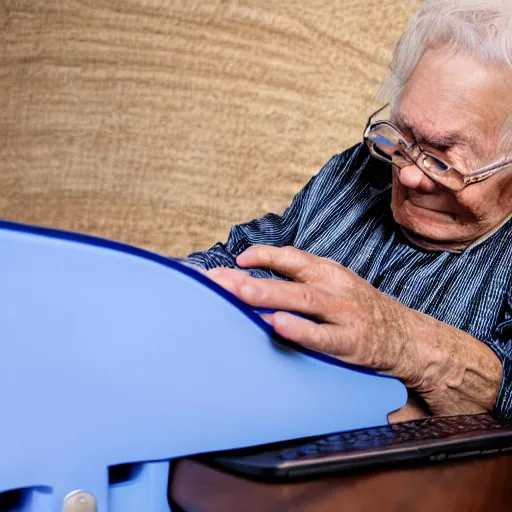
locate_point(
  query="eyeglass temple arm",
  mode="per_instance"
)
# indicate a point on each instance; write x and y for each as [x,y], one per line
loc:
[486,171]
[375,114]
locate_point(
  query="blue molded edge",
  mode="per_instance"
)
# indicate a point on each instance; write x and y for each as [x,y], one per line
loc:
[176,265]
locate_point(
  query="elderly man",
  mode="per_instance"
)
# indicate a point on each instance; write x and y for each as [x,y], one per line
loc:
[398,254]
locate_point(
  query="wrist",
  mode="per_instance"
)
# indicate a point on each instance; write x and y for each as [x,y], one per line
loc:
[422,359]
[452,371]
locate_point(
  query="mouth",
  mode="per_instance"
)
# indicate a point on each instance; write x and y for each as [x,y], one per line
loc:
[428,212]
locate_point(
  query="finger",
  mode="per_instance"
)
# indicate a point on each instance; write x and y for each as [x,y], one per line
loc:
[267,317]
[288,296]
[277,295]
[259,292]
[289,261]
[319,337]
[228,278]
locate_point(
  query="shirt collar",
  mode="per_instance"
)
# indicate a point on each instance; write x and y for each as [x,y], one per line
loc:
[483,238]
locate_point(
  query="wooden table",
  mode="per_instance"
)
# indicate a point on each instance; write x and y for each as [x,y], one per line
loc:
[464,486]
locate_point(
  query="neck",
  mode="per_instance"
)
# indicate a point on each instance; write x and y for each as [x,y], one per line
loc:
[433,245]
[436,245]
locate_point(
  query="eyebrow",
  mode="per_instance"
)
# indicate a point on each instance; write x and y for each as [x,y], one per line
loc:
[441,142]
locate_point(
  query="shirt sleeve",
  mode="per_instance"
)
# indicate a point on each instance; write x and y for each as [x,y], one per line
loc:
[502,346]
[271,229]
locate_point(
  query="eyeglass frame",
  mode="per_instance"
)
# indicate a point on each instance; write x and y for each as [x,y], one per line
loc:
[475,176]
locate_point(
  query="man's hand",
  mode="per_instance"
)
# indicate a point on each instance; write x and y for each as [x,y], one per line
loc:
[357,323]
[360,325]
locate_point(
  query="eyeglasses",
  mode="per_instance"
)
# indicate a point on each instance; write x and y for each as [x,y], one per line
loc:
[387,143]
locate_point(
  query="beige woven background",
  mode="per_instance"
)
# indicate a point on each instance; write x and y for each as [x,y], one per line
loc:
[163,122]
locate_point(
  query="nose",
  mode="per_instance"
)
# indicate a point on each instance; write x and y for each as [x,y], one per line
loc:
[412,177]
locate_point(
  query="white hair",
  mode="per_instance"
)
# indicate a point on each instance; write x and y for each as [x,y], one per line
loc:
[480,28]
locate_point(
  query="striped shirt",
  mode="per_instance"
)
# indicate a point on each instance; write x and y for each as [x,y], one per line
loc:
[344,214]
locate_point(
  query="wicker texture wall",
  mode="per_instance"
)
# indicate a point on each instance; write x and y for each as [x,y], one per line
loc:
[163,122]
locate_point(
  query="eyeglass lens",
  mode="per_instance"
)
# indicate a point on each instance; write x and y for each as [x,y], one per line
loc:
[389,144]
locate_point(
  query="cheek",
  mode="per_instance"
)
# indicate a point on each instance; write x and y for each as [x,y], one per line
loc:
[398,194]
[476,204]
[485,204]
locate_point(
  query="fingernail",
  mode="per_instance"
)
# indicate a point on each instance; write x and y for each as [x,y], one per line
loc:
[267,318]
[247,291]
[280,320]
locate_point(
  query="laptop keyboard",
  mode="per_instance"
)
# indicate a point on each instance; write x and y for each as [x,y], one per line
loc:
[400,433]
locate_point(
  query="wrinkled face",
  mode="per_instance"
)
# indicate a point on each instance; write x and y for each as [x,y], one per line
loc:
[455,107]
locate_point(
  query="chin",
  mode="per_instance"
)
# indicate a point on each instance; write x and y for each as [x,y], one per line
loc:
[432,230]
[435,229]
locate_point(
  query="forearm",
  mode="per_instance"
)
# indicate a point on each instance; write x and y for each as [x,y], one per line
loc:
[452,371]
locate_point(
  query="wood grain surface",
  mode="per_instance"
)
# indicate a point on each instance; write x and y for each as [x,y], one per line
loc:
[478,485]
[163,122]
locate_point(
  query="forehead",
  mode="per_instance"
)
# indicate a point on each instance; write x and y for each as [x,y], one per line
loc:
[456,94]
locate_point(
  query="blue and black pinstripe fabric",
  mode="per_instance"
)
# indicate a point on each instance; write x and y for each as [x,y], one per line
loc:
[344,214]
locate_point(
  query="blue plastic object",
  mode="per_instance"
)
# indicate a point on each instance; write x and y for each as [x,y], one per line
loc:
[114,355]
